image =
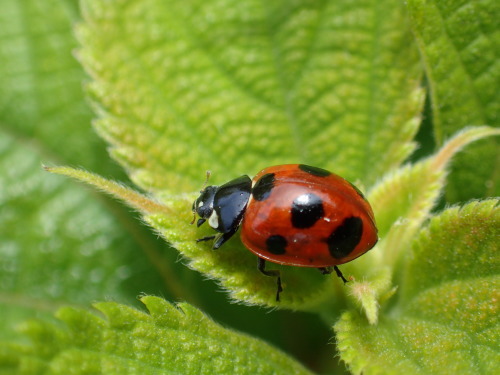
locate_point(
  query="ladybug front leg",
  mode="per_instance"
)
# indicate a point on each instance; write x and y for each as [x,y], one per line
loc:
[220,239]
[274,273]
[207,238]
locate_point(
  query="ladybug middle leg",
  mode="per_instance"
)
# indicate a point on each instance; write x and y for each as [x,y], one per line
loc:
[274,273]
[223,237]
[329,270]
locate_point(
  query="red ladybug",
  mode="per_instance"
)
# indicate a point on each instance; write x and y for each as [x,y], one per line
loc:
[291,214]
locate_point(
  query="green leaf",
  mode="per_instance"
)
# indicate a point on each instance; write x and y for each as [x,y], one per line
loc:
[44,120]
[231,266]
[404,198]
[401,201]
[183,87]
[407,196]
[445,320]
[169,340]
[41,93]
[460,245]
[458,42]
[59,243]
[56,242]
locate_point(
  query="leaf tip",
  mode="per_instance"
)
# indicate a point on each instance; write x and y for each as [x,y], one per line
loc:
[365,295]
[460,140]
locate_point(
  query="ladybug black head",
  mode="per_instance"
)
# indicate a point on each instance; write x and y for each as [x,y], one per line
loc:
[204,204]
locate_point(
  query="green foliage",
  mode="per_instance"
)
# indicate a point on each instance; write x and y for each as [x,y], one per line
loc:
[182,87]
[458,42]
[59,251]
[453,266]
[41,97]
[406,196]
[418,187]
[169,340]
[55,237]
[237,89]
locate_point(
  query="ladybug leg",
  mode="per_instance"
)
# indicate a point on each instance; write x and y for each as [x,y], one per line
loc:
[329,270]
[325,270]
[222,238]
[339,274]
[273,273]
[207,238]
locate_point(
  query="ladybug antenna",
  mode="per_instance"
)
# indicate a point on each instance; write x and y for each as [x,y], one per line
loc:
[194,213]
[201,191]
[206,182]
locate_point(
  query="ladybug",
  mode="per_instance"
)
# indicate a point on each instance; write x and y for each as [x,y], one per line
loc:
[292,214]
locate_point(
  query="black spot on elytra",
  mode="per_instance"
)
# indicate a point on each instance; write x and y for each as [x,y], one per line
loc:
[314,170]
[345,237]
[307,209]
[263,187]
[276,244]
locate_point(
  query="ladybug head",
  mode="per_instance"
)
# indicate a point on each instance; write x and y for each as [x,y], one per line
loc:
[204,204]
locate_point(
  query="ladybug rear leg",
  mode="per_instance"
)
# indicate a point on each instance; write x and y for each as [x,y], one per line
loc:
[328,270]
[274,273]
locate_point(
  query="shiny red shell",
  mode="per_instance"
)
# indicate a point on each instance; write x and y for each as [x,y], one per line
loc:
[341,205]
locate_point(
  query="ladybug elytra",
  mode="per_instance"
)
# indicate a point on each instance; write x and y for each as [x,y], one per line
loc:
[292,214]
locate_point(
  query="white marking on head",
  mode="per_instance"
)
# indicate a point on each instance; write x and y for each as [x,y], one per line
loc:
[213,220]
[200,204]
